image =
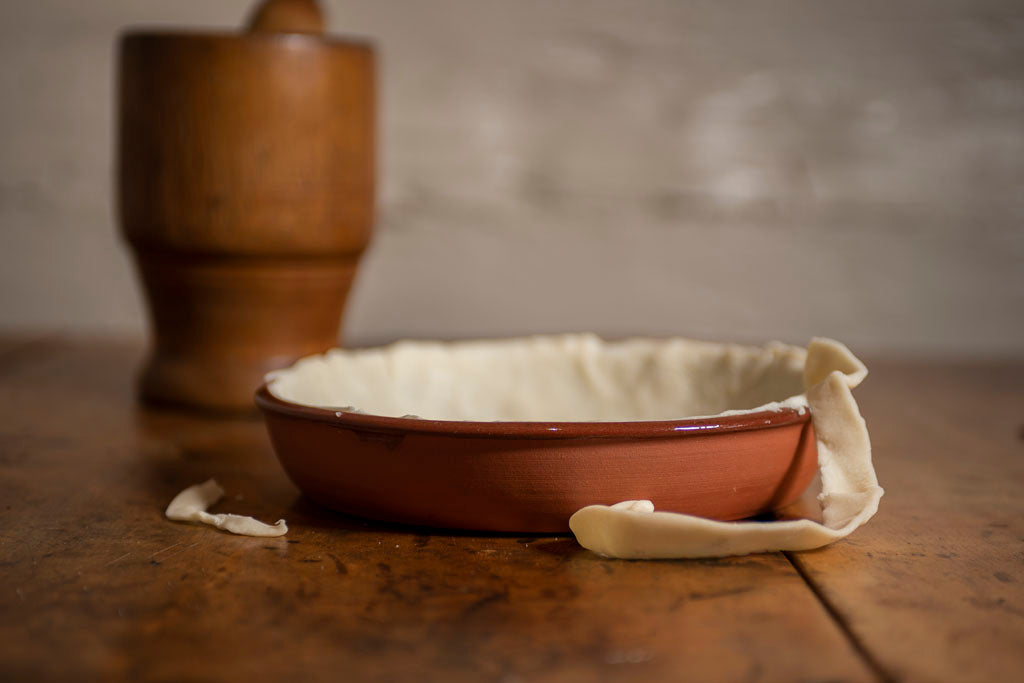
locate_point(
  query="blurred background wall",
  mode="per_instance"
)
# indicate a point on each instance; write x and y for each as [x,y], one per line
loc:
[730,170]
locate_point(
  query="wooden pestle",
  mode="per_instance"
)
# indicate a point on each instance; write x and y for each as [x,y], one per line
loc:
[246,193]
[287,16]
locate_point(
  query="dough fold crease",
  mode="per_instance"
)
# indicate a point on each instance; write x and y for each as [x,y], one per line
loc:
[849,497]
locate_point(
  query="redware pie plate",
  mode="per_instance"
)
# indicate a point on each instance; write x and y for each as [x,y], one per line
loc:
[478,457]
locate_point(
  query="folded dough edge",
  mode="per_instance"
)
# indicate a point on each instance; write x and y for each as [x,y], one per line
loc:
[849,497]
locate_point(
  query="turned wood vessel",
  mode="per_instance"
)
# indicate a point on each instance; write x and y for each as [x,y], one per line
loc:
[246,194]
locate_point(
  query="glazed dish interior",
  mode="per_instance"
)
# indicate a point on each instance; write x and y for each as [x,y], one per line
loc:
[567,378]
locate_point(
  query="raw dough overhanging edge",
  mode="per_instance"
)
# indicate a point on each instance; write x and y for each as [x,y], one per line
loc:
[191,504]
[849,497]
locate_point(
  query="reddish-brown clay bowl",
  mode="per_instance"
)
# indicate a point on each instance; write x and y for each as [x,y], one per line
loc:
[532,476]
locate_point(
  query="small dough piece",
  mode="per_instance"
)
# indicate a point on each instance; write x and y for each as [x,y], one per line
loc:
[191,504]
[849,497]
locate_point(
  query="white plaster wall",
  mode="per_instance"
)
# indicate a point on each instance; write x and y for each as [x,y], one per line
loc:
[739,170]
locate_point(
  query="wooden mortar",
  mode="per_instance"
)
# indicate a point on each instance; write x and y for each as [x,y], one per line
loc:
[246,193]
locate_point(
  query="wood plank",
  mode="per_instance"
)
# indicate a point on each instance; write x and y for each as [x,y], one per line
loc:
[98,585]
[14,345]
[10,343]
[933,587]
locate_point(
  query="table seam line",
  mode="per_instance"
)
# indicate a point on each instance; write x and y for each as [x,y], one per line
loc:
[841,621]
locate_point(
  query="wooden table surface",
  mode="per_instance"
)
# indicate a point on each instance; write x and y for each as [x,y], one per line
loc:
[97,585]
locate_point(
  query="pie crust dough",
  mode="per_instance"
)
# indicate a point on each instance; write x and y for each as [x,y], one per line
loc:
[191,504]
[849,497]
[580,378]
[558,378]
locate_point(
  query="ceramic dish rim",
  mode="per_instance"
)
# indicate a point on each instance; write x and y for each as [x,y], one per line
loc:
[636,429]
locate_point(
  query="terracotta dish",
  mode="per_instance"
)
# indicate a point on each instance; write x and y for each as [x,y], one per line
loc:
[488,469]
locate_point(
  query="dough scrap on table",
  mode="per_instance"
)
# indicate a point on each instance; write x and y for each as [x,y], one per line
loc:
[191,504]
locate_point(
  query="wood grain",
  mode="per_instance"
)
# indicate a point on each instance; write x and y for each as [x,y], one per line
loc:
[933,586]
[93,573]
